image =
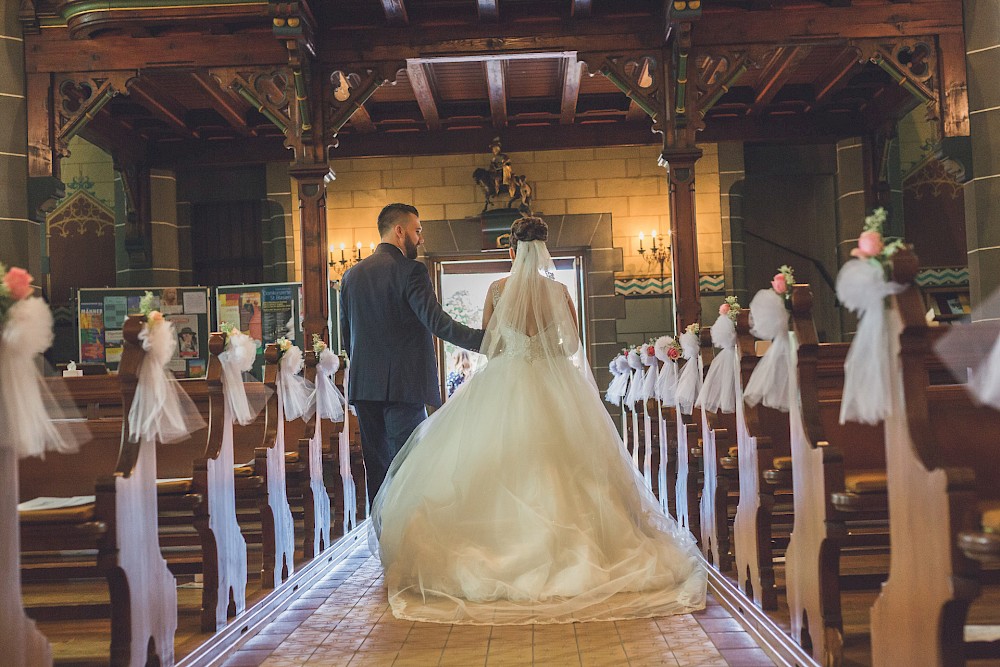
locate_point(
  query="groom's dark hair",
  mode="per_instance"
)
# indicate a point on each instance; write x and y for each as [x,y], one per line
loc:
[389,216]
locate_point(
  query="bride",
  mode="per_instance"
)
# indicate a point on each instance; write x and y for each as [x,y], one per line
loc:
[517,502]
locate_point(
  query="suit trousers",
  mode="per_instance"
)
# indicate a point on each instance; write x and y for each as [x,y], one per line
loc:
[385,428]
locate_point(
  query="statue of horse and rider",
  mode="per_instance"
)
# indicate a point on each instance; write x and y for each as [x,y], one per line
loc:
[498,182]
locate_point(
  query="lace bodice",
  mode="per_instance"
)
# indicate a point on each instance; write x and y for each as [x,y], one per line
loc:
[523,346]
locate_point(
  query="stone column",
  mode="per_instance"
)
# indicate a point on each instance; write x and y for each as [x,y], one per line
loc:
[20,237]
[850,211]
[684,235]
[164,242]
[311,179]
[731,174]
[279,262]
[982,215]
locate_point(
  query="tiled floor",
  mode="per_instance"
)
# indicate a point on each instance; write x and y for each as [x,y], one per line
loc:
[345,620]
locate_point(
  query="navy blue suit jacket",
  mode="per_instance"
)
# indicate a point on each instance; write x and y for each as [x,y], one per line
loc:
[388,311]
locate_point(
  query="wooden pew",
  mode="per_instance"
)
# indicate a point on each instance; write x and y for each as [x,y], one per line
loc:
[939,449]
[224,550]
[277,526]
[761,436]
[830,461]
[718,431]
[143,591]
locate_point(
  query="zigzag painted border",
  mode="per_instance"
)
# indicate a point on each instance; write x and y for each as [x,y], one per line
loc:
[710,284]
[945,276]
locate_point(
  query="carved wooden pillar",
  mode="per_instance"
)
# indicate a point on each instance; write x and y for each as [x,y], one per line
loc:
[684,235]
[311,179]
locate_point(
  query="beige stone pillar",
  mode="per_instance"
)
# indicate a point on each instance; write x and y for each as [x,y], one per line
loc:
[20,237]
[982,214]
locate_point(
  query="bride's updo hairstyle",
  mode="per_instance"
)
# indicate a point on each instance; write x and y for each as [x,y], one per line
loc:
[527,229]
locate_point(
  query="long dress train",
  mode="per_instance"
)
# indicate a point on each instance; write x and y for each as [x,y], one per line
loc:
[517,502]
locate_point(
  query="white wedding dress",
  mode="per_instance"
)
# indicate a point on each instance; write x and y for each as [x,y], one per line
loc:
[516,502]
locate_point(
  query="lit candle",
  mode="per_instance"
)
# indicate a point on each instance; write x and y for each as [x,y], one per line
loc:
[641,237]
[359,249]
[342,260]
[654,240]
[331,253]
[371,247]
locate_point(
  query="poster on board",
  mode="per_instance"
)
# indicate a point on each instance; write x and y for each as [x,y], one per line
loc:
[264,312]
[102,314]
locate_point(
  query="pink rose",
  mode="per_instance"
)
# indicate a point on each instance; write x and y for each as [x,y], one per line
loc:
[673,353]
[778,283]
[650,351]
[154,317]
[869,245]
[724,309]
[18,282]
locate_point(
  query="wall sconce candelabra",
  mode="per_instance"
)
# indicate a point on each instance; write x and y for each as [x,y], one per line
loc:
[658,254]
[339,267]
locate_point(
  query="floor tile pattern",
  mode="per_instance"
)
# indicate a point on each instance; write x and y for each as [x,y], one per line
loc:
[344,620]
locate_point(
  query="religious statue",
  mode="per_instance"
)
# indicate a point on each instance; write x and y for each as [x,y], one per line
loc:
[499,181]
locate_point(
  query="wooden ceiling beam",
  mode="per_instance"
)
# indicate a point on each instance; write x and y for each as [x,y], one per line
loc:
[53,49]
[224,104]
[836,76]
[361,121]
[424,93]
[161,105]
[572,71]
[395,12]
[777,72]
[488,10]
[497,91]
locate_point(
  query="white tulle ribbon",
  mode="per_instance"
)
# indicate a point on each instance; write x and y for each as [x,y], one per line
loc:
[652,373]
[769,382]
[862,289]
[689,382]
[346,474]
[237,359]
[161,410]
[26,423]
[298,396]
[719,391]
[329,400]
[666,381]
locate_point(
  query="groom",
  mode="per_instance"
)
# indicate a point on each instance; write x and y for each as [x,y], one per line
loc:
[388,312]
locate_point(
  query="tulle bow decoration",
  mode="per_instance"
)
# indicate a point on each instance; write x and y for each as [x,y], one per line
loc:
[298,397]
[769,382]
[619,381]
[719,391]
[237,359]
[647,355]
[635,381]
[666,383]
[862,288]
[689,382]
[25,423]
[161,410]
[329,400]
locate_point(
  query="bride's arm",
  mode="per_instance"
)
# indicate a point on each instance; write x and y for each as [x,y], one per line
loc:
[488,306]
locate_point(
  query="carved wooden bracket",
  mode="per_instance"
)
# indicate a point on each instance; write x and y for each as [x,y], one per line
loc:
[78,98]
[642,76]
[912,63]
[294,23]
[349,88]
[271,92]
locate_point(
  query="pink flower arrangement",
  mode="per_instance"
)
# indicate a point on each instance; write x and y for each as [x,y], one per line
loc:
[650,351]
[154,317]
[673,353]
[18,283]
[869,245]
[724,309]
[779,284]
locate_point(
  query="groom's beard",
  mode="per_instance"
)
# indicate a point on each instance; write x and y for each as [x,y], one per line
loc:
[411,248]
